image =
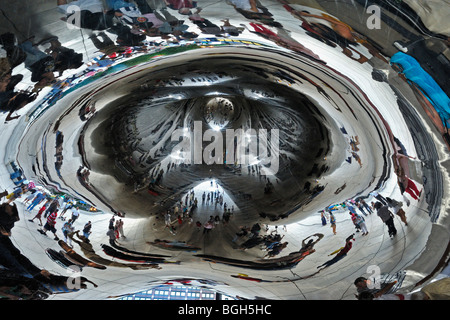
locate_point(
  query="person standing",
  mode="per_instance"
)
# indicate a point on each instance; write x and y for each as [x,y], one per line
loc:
[397,208]
[361,208]
[87,230]
[387,217]
[30,197]
[365,205]
[120,228]
[167,219]
[323,218]
[51,208]
[67,230]
[379,197]
[116,229]
[75,214]
[112,237]
[350,207]
[67,206]
[360,223]
[208,226]
[39,197]
[354,217]
[333,222]
[111,223]
[50,224]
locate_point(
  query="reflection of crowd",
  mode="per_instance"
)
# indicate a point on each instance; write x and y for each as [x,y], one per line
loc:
[135,25]
[334,32]
[11,55]
[42,66]
[380,204]
[218,112]
[385,207]
[134,21]
[20,278]
[182,212]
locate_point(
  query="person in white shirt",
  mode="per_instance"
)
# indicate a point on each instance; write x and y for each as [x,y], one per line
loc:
[75,214]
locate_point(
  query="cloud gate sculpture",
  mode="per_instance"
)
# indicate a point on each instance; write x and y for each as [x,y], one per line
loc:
[261,149]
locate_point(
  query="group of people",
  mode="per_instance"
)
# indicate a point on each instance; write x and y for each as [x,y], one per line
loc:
[211,200]
[182,210]
[137,22]
[115,229]
[49,209]
[251,237]
[385,207]
[132,24]
[20,279]
[272,243]
[41,65]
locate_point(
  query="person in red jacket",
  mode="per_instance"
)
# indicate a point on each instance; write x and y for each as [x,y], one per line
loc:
[40,212]
[342,253]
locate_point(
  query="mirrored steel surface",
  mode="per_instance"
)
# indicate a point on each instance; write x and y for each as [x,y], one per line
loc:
[238,142]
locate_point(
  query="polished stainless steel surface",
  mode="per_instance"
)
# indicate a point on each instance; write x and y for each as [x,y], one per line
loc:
[226,136]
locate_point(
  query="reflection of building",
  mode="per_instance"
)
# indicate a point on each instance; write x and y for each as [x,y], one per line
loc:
[176,293]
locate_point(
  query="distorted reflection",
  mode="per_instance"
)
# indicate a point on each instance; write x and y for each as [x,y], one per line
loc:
[252,146]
